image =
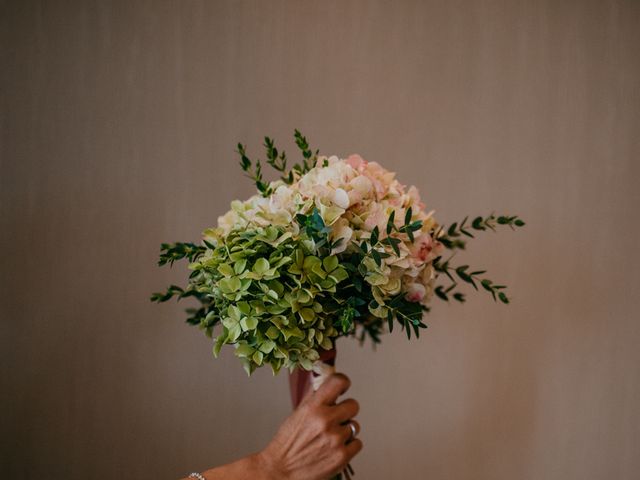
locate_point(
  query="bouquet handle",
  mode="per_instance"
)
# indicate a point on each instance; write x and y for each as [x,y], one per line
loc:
[303,382]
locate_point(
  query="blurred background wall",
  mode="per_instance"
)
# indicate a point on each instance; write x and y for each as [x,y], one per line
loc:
[118,127]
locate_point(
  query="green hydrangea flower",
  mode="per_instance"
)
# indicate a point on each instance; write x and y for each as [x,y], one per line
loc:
[273,296]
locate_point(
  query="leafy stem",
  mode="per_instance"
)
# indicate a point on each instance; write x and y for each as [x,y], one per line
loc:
[278,161]
[170,252]
[308,157]
[369,247]
[254,171]
[316,230]
[473,278]
[453,237]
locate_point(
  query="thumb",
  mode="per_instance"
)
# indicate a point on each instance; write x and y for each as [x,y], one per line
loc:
[334,386]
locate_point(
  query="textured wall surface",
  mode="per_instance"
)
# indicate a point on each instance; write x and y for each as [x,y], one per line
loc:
[117,129]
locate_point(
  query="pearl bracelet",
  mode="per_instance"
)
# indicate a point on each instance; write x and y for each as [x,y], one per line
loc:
[196,475]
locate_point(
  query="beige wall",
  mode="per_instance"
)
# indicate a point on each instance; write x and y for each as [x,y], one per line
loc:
[118,125]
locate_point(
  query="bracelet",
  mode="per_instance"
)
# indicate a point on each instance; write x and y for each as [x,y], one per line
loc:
[196,475]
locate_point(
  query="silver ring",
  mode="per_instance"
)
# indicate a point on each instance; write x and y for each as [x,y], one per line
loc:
[353,431]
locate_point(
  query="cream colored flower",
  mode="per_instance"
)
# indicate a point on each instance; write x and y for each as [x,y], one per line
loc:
[341,230]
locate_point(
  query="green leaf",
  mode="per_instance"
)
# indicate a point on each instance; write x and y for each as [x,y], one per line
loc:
[248,366]
[234,313]
[339,275]
[415,226]
[408,215]
[267,347]
[249,323]
[374,235]
[261,266]
[272,332]
[441,293]
[230,285]
[257,357]
[234,333]
[376,257]
[244,308]
[477,223]
[459,297]
[307,314]
[244,350]
[239,266]
[303,296]
[226,270]
[330,263]
[390,222]
[220,340]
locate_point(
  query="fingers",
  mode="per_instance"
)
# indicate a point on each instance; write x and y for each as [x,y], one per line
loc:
[331,389]
[351,449]
[344,455]
[346,410]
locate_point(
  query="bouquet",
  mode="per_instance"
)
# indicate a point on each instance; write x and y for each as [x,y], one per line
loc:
[332,248]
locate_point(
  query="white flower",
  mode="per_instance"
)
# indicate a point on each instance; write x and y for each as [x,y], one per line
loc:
[340,198]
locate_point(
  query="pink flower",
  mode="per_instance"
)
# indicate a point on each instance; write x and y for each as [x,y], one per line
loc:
[422,249]
[356,162]
[380,178]
[415,292]
[375,218]
[361,188]
[414,198]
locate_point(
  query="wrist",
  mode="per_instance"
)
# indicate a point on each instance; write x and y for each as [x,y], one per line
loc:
[265,467]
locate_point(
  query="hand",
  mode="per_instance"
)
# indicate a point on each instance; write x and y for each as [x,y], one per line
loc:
[315,442]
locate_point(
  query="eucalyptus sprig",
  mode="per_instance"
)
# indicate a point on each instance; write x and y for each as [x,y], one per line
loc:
[316,230]
[452,238]
[407,314]
[170,252]
[309,157]
[443,293]
[278,161]
[473,278]
[253,170]
[370,247]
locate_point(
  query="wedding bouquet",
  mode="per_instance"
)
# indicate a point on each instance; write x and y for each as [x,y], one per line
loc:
[333,248]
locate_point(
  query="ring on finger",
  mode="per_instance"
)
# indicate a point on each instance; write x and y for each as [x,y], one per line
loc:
[354,431]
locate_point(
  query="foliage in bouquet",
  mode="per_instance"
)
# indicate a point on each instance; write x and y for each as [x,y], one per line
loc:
[334,247]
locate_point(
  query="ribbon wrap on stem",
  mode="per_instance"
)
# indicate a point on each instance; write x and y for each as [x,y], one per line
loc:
[301,381]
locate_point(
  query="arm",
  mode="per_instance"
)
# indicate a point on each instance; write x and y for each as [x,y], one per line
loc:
[313,443]
[251,467]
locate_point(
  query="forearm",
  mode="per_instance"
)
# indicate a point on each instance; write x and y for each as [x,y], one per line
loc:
[253,467]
